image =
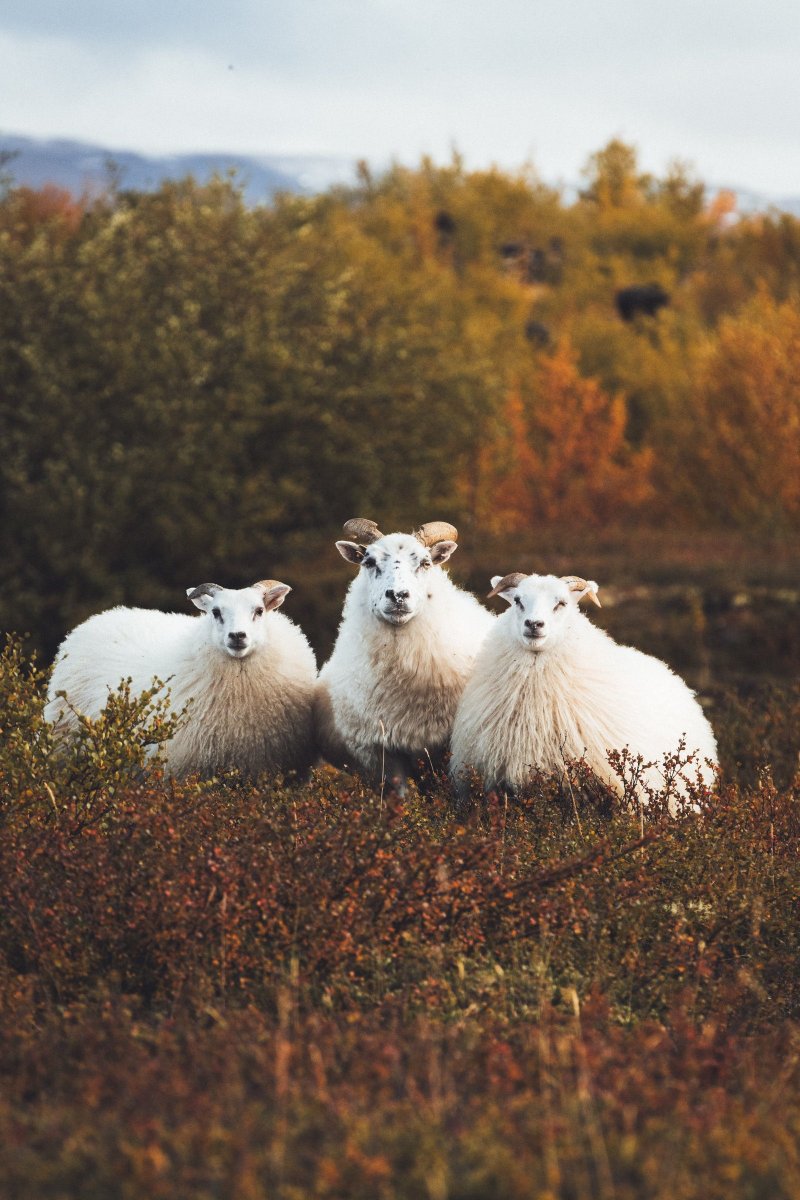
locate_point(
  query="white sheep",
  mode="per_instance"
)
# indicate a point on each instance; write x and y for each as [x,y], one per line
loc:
[246,672]
[406,646]
[549,686]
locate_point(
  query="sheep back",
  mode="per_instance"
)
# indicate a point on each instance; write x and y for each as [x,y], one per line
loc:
[522,711]
[253,715]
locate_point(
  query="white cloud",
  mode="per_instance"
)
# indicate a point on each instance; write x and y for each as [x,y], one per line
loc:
[714,83]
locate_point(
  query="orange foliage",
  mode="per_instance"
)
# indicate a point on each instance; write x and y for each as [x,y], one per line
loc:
[747,406]
[562,454]
[35,206]
[722,209]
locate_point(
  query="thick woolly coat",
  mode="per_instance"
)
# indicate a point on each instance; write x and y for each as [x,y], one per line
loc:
[394,690]
[524,711]
[254,713]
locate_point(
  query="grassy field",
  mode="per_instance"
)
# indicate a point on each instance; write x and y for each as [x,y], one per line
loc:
[318,990]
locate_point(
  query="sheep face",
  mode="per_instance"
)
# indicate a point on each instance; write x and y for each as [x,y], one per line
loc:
[541,607]
[236,623]
[394,573]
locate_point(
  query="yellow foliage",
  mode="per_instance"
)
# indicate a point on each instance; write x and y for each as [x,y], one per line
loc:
[745,455]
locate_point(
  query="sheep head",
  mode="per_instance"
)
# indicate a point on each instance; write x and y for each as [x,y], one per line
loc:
[236,625]
[541,605]
[394,565]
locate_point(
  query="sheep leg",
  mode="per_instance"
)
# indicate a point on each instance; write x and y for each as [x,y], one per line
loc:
[396,771]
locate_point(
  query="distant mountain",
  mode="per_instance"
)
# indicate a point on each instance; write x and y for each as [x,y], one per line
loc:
[750,202]
[79,167]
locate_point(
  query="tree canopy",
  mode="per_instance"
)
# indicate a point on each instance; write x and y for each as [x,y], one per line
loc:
[187,382]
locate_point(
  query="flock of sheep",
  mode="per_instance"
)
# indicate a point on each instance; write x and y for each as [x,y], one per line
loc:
[419,668]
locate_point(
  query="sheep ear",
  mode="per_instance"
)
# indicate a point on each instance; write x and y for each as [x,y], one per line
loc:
[274,593]
[506,585]
[441,551]
[506,595]
[351,552]
[203,596]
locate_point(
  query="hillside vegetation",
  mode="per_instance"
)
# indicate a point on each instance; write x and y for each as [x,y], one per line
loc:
[192,388]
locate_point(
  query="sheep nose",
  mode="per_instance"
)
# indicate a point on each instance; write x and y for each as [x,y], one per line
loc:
[534,626]
[237,639]
[397,597]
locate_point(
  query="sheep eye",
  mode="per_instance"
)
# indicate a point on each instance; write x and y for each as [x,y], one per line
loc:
[518,602]
[216,613]
[560,604]
[423,566]
[258,612]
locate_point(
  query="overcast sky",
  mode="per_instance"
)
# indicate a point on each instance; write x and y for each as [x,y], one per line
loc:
[506,81]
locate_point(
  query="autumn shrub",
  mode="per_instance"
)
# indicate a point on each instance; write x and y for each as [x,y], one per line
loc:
[185,893]
[760,735]
[317,989]
[107,754]
[254,1104]
[563,454]
[186,383]
[739,441]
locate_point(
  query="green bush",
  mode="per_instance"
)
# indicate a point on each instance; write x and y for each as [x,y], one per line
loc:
[84,772]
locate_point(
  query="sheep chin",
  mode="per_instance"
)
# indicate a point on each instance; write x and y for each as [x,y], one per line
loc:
[396,618]
[244,652]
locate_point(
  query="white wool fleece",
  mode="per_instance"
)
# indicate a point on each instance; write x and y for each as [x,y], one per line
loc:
[394,687]
[550,686]
[247,675]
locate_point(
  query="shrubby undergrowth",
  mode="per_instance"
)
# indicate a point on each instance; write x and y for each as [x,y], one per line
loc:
[313,989]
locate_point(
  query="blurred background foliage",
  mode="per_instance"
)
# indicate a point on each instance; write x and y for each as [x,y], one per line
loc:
[192,388]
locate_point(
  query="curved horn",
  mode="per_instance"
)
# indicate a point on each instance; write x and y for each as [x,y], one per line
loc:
[586,587]
[361,530]
[436,531]
[512,580]
[204,589]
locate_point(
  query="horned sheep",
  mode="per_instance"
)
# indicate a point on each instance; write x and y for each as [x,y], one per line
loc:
[549,686]
[407,643]
[245,671]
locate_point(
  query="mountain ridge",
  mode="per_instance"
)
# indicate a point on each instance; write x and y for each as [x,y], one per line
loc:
[85,166]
